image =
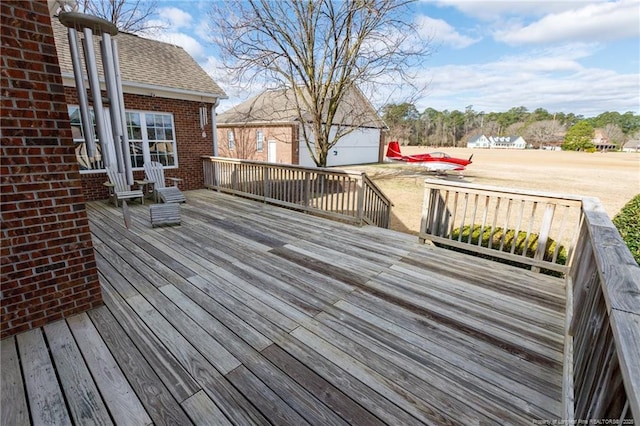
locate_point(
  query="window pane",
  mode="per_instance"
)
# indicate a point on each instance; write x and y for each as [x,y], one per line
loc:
[137,157]
[134,129]
[161,136]
[77,131]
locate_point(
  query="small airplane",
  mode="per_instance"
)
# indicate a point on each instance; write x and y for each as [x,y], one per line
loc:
[438,162]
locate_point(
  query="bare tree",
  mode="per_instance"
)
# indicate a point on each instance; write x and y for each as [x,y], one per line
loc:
[541,133]
[325,50]
[615,134]
[132,16]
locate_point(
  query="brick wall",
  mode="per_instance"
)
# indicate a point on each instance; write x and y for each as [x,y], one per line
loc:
[190,143]
[245,143]
[48,268]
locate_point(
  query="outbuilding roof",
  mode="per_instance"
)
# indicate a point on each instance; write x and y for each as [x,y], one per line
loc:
[279,107]
[148,67]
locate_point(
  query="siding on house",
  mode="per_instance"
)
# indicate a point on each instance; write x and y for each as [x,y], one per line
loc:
[285,137]
[48,267]
[358,147]
[275,109]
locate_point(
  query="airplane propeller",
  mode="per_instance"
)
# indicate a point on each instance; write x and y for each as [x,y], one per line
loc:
[470,157]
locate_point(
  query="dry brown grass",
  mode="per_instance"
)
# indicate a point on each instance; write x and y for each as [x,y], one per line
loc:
[613,177]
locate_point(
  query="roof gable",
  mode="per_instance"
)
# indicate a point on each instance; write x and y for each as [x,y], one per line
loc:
[145,63]
[278,106]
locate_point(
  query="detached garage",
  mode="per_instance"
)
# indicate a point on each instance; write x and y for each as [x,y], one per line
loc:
[268,128]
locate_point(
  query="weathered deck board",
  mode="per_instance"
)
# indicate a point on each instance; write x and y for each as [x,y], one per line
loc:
[43,390]
[12,398]
[156,398]
[253,314]
[119,397]
[86,406]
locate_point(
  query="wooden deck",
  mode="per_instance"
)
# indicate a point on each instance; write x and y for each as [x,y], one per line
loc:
[252,314]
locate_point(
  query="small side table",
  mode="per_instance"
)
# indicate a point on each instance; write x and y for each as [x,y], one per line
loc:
[146,186]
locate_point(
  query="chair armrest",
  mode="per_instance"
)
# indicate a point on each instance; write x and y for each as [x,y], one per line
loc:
[174,180]
[108,184]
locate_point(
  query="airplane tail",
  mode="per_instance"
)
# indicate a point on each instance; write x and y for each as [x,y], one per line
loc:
[393,150]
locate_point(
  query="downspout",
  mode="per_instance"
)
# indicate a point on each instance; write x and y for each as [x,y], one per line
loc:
[214,127]
[214,137]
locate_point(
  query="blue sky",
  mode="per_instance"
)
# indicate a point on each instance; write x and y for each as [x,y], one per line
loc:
[565,56]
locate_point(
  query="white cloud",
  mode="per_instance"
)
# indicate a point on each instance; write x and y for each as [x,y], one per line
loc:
[188,43]
[167,29]
[552,79]
[496,10]
[440,31]
[174,17]
[591,22]
[203,30]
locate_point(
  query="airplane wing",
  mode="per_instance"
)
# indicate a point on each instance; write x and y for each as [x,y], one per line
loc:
[441,166]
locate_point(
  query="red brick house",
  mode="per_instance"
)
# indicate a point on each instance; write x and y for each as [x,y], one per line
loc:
[170,109]
[267,128]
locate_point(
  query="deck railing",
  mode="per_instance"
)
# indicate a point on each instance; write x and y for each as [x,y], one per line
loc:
[531,228]
[604,328]
[601,380]
[342,195]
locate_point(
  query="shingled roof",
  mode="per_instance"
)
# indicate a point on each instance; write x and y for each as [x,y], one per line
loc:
[278,107]
[148,67]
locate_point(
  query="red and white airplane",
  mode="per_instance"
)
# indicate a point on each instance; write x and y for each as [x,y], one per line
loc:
[438,162]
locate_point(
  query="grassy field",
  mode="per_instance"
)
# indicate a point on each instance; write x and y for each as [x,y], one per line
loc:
[613,177]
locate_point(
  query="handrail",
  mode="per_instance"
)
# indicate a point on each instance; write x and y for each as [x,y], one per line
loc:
[342,195]
[601,377]
[603,334]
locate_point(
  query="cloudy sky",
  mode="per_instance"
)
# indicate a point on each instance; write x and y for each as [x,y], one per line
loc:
[565,56]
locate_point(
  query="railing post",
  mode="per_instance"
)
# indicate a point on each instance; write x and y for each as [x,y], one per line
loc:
[360,200]
[234,178]
[266,177]
[427,213]
[307,189]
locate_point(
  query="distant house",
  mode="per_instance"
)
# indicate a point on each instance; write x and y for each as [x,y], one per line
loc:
[169,102]
[480,141]
[267,128]
[632,146]
[601,141]
[497,142]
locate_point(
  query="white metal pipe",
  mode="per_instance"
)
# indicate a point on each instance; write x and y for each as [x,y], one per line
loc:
[123,116]
[214,135]
[85,116]
[214,128]
[114,108]
[96,95]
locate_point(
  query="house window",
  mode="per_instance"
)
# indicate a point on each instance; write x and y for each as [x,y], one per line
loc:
[231,141]
[151,138]
[78,132]
[259,141]
[160,138]
[136,141]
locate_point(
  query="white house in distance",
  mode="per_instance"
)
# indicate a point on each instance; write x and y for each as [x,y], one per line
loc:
[497,142]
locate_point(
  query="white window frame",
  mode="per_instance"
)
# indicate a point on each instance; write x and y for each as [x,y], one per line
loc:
[259,141]
[231,141]
[145,138]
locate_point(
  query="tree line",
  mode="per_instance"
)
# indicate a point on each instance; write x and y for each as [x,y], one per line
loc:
[539,127]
